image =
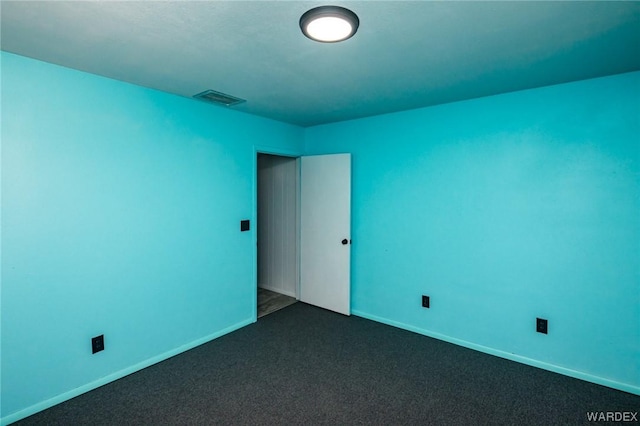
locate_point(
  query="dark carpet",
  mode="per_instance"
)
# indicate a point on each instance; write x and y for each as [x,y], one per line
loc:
[305,365]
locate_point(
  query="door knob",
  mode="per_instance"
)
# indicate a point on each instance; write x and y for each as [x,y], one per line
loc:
[345,242]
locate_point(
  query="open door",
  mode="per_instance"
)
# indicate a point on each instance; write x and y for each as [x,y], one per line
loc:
[325,231]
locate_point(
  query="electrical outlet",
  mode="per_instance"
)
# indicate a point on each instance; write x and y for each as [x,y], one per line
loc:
[541,325]
[425,301]
[97,343]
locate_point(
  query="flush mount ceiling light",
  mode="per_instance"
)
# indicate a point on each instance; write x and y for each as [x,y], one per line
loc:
[329,24]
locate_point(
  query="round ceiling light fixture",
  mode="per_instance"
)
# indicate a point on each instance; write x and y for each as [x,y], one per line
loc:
[329,24]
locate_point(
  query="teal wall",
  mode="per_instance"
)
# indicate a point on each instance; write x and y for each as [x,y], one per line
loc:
[120,211]
[120,215]
[503,209]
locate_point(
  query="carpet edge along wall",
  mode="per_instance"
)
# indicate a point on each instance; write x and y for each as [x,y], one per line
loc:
[121,216]
[502,210]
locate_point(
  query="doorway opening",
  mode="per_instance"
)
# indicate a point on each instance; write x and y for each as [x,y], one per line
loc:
[277,239]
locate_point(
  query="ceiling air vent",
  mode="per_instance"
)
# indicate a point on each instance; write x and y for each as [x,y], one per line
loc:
[218,98]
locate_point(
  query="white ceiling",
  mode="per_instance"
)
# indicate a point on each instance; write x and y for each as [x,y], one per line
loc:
[406,54]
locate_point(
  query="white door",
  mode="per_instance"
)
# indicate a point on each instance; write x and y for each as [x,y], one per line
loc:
[325,231]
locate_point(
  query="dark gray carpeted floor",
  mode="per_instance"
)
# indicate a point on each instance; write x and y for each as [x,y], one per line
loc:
[305,365]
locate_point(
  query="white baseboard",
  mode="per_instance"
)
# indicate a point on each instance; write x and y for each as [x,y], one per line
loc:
[278,290]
